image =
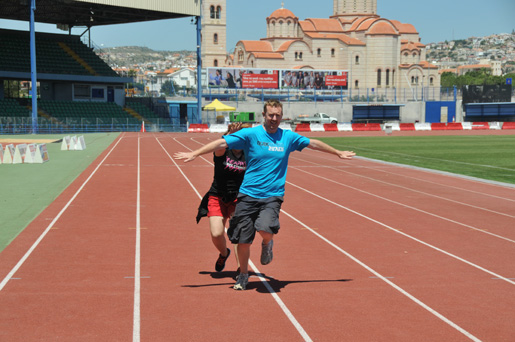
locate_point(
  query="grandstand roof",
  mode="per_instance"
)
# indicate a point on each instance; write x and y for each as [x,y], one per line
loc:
[98,12]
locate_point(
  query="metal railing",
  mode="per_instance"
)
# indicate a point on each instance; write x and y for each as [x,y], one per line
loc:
[23,125]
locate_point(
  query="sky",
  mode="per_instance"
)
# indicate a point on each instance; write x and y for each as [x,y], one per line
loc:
[436,21]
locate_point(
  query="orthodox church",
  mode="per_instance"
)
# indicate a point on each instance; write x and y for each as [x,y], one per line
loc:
[377,52]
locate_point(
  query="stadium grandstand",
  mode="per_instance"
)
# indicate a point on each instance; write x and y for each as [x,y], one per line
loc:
[77,90]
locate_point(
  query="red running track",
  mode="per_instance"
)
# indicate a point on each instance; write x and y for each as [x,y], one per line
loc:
[367,251]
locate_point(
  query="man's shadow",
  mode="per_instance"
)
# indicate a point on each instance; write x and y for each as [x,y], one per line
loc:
[271,285]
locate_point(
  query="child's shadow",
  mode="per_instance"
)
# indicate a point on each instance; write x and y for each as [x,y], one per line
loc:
[272,285]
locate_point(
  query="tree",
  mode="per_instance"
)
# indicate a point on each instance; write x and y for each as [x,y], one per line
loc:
[168,88]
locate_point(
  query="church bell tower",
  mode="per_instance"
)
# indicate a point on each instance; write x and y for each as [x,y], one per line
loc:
[350,9]
[214,27]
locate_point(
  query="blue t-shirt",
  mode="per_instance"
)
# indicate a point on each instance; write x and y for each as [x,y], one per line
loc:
[267,158]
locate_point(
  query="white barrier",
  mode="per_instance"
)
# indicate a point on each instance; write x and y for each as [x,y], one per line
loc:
[1,154]
[8,154]
[218,128]
[65,145]
[344,127]
[422,126]
[466,125]
[316,127]
[494,125]
[19,153]
[80,145]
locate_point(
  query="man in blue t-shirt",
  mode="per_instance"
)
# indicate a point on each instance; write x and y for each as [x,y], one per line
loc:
[266,149]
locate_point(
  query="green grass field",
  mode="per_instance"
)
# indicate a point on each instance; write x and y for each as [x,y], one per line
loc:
[27,189]
[484,156]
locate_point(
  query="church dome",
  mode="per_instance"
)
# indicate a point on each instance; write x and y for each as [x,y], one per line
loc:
[282,13]
[382,28]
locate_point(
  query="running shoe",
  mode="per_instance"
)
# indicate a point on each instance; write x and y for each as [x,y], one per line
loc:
[237,274]
[220,262]
[266,253]
[241,283]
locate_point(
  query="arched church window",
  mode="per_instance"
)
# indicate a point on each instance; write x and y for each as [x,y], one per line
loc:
[378,77]
[431,81]
[332,52]
[356,60]
[387,81]
[319,52]
[212,12]
[215,62]
[215,38]
[300,55]
[218,12]
[356,84]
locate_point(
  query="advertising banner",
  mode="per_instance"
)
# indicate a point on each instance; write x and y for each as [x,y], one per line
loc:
[277,78]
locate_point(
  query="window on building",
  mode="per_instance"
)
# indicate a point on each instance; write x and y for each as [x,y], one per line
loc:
[296,55]
[218,12]
[393,78]
[212,12]
[387,80]
[240,55]
[215,38]
[215,62]
[356,84]
[300,55]
[332,52]
[319,52]
[379,77]
[356,60]
[431,80]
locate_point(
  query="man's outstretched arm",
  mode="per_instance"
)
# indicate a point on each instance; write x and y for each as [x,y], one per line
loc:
[323,147]
[208,148]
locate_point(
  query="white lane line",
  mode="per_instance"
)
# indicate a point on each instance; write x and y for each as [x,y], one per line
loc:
[45,232]
[383,278]
[406,206]
[406,235]
[136,324]
[276,297]
[414,190]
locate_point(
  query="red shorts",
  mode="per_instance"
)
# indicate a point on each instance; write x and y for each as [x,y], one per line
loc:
[216,207]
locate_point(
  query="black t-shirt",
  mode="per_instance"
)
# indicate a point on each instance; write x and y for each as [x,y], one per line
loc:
[229,172]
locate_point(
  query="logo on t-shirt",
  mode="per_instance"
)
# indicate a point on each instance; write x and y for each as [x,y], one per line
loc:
[270,147]
[235,165]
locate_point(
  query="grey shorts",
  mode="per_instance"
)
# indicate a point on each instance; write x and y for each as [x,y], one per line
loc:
[254,214]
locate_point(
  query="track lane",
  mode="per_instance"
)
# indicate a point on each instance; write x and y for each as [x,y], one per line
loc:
[74,284]
[187,287]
